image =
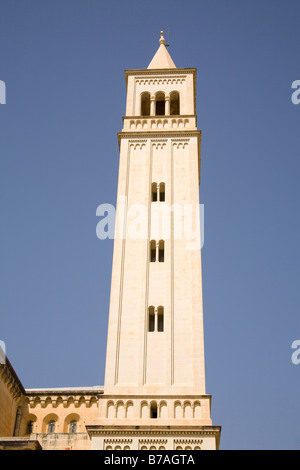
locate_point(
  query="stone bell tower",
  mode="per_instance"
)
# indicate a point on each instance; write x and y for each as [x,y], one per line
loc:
[154,391]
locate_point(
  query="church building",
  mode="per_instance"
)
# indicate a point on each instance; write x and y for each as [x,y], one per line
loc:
[154,395]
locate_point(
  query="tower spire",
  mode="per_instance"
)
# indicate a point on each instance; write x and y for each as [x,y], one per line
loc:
[162,58]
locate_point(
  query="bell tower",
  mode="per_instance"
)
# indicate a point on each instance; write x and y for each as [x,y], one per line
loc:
[154,390]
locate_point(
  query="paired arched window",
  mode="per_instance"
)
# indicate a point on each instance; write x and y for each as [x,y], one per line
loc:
[157,251]
[156,319]
[158,192]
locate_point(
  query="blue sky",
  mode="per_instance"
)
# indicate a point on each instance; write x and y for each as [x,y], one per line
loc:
[63,65]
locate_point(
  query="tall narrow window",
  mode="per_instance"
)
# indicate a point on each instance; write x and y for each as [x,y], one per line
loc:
[154,192]
[153,410]
[160,319]
[145,104]
[174,103]
[73,425]
[161,251]
[29,429]
[160,104]
[153,251]
[162,192]
[51,426]
[151,320]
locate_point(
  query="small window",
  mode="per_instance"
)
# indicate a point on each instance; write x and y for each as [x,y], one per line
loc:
[151,326]
[29,429]
[162,192]
[153,251]
[161,251]
[73,426]
[153,410]
[160,319]
[154,192]
[51,426]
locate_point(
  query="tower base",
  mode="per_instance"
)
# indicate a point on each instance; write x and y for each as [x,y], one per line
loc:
[154,437]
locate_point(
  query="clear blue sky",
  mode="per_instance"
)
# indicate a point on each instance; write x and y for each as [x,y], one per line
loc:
[63,64]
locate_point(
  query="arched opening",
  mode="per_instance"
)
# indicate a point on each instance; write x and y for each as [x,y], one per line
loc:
[50,423]
[162,192]
[153,410]
[154,192]
[174,103]
[160,104]
[145,104]
[160,319]
[71,423]
[151,321]
[161,251]
[153,251]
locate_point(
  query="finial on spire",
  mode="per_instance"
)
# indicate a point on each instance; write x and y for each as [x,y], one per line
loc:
[162,39]
[162,58]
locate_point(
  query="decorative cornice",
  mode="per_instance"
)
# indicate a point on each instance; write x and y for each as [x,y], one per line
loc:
[71,391]
[167,431]
[177,71]
[118,441]
[157,133]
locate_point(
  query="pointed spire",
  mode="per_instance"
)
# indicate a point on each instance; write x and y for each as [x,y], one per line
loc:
[162,58]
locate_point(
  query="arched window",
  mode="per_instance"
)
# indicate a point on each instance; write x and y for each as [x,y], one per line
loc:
[162,192]
[153,251]
[161,251]
[73,425]
[145,104]
[160,104]
[51,426]
[160,319]
[174,103]
[153,410]
[154,192]
[151,320]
